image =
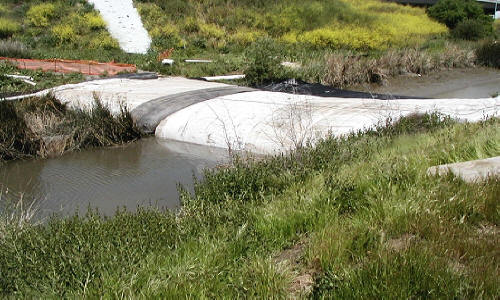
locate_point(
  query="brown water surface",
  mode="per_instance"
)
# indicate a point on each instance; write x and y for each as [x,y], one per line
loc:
[140,174]
[455,83]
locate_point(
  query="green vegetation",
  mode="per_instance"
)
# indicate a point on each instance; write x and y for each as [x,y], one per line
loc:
[8,28]
[488,53]
[351,217]
[452,12]
[40,127]
[230,25]
[264,62]
[465,17]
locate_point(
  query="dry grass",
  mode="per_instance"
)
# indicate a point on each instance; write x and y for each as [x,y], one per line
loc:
[44,127]
[344,70]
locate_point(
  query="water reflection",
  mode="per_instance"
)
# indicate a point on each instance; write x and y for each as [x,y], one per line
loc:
[139,174]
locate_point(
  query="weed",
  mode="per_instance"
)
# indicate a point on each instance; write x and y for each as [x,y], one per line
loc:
[16,139]
[94,21]
[26,123]
[8,28]
[343,70]
[14,49]
[488,54]
[40,15]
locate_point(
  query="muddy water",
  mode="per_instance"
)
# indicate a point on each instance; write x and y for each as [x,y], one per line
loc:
[458,83]
[140,174]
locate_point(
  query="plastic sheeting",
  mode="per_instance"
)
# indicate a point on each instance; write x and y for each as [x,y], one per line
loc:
[270,122]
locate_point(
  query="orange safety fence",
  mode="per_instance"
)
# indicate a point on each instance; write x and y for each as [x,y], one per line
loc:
[87,67]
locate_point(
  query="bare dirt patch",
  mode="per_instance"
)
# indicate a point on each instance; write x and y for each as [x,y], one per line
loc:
[303,280]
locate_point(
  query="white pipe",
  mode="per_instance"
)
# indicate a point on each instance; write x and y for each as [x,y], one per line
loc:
[198,61]
[26,79]
[227,77]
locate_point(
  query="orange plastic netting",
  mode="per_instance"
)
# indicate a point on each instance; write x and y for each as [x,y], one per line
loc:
[87,67]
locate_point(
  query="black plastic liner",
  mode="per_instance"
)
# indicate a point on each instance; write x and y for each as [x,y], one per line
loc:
[293,86]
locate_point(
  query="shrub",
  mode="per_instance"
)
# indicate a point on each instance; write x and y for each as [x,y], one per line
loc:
[452,12]
[264,58]
[3,8]
[488,54]
[246,37]
[16,140]
[40,14]
[13,49]
[8,28]
[356,38]
[472,29]
[104,41]
[94,21]
[191,25]
[64,33]
[212,31]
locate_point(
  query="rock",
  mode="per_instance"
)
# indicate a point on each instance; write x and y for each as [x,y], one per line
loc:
[469,171]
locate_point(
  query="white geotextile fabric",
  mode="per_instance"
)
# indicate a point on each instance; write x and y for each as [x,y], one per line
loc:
[268,123]
[124,24]
[118,93]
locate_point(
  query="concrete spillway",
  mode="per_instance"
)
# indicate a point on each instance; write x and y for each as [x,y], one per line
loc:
[239,118]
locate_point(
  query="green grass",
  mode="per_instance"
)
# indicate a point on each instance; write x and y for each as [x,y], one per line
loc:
[371,222]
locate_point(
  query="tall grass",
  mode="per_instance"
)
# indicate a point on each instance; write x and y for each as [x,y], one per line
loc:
[43,126]
[16,139]
[348,69]
[14,49]
[372,223]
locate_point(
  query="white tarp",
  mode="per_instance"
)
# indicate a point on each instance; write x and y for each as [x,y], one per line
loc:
[267,122]
[124,24]
[260,122]
[116,93]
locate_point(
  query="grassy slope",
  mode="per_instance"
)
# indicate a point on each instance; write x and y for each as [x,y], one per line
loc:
[305,30]
[222,30]
[369,220]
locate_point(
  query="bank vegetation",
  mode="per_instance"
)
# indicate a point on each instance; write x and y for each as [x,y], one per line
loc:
[353,217]
[42,127]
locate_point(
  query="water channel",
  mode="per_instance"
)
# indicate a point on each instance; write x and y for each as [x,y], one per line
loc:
[147,172]
[144,173]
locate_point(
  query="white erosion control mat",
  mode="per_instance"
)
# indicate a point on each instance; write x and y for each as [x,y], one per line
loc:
[124,24]
[260,121]
[270,122]
[118,93]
